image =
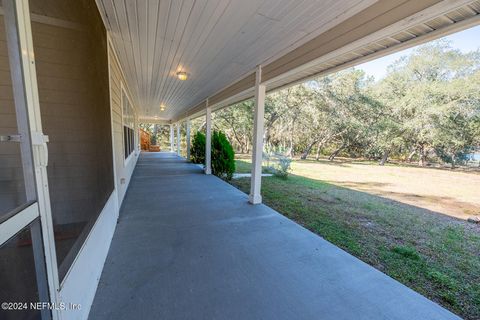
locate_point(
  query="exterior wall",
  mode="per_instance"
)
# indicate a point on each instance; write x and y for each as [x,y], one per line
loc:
[81,282]
[80,102]
[123,167]
[74,96]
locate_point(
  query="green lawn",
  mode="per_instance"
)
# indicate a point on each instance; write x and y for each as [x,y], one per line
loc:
[242,166]
[436,255]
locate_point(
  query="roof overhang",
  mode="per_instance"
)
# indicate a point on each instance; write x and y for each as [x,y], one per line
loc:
[382,29]
[362,30]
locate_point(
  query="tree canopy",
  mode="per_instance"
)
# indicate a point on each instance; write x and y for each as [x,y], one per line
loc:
[427,108]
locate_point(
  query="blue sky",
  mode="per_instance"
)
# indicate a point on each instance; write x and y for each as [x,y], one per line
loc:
[467,40]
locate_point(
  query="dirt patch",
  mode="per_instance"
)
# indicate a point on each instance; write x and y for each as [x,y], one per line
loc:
[444,191]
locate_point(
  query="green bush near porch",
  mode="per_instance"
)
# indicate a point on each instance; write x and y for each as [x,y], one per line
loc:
[223,156]
[197,150]
[223,162]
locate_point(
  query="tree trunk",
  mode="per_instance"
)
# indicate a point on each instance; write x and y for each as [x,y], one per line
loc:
[410,156]
[292,130]
[453,161]
[336,152]
[290,150]
[307,150]
[266,135]
[423,157]
[319,147]
[384,158]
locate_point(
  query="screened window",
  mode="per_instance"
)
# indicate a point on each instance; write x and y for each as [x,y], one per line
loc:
[73,82]
[128,126]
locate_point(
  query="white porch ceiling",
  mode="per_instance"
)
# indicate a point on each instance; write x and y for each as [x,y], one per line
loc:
[215,41]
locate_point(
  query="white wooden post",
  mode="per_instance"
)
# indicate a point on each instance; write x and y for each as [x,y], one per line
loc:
[208,141]
[188,139]
[171,138]
[258,123]
[178,138]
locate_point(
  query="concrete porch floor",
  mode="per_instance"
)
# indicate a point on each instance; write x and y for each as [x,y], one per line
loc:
[189,246]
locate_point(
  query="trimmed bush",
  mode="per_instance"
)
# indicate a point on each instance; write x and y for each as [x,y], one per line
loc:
[223,162]
[197,150]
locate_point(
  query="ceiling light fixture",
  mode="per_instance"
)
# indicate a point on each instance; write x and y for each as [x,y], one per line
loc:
[182,75]
[162,107]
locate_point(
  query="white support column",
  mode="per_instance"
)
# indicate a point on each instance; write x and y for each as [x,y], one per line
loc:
[188,139]
[171,137]
[208,141]
[178,138]
[258,123]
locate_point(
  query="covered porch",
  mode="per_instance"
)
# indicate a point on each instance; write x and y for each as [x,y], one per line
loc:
[190,246]
[77,78]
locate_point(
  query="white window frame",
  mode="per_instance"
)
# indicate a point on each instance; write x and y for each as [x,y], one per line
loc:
[124,93]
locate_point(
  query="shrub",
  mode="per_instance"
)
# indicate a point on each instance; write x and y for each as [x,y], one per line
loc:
[282,166]
[197,150]
[223,162]
[277,163]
